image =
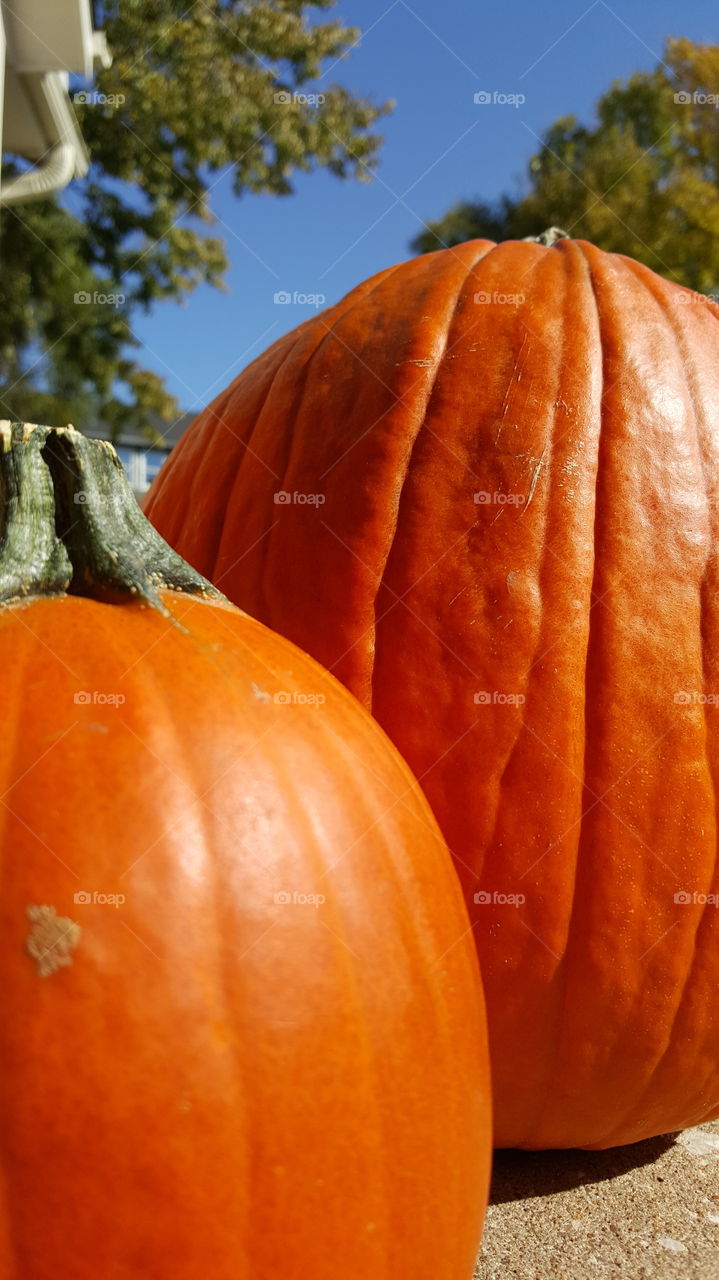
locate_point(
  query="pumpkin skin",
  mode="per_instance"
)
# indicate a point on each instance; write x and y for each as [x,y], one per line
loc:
[575,597]
[209,1081]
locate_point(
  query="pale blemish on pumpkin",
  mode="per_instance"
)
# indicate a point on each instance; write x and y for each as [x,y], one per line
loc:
[51,940]
[261,695]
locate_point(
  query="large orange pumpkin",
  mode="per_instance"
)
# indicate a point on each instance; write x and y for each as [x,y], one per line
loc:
[243,1034]
[483,490]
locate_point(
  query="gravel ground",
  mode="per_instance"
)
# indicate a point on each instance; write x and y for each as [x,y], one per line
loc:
[641,1212]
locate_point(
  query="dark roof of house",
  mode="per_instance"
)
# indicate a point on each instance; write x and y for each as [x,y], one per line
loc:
[133,437]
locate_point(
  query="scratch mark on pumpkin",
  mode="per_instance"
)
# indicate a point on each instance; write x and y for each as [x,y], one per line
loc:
[51,939]
[535,477]
[459,593]
[260,694]
[505,407]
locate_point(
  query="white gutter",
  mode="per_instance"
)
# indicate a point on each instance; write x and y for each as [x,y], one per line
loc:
[65,159]
[49,35]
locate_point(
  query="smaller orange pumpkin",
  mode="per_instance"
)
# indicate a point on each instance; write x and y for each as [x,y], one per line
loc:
[243,1034]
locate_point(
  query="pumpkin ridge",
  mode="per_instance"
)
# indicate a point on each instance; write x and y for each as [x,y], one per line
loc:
[288,441]
[428,393]
[365,1045]
[221,568]
[552,440]
[540,649]
[414,933]
[356,298]
[574,946]
[704,919]
[215,417]
[554,1057]
[215,553]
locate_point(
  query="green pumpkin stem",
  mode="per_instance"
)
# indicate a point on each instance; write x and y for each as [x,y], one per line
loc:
[69,523]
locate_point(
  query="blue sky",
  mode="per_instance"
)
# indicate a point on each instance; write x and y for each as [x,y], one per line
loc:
[431,57]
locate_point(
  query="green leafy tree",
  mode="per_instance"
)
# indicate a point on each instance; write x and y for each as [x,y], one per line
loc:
[192,90]
[644,181]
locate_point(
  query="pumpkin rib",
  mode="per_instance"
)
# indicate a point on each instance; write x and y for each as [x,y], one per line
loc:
[227,996]
[412,935]
[382,1174]
[591,694]
[415,930]
[312,838]
[398,799]
[423,267]
[13,724]
[424,622]
[616,1128]
[212,551]
[198,482]
[523,726]
[288,441]
[213,416]
[291,413]
[703,923]
[599,516]
[548,1068]
[704,918]
[572,928]
[552,1067]
[583,877]
[424,398]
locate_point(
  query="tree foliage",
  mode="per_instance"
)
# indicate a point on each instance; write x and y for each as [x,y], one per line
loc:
[192,91]
[643,181]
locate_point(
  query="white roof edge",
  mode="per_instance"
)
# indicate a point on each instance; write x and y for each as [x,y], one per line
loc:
[67,155]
